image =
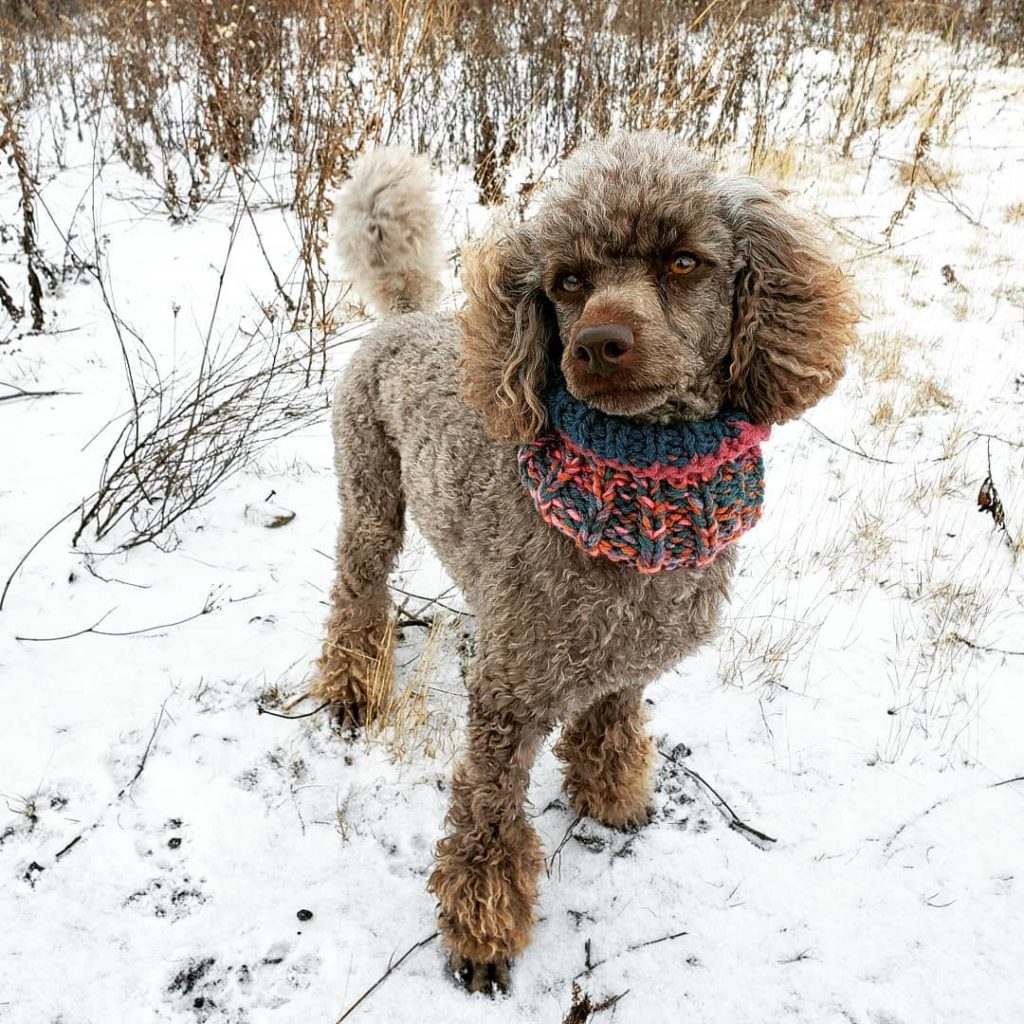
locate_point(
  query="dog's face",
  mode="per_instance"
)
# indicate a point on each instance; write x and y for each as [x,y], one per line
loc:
[638,263]
[658,289]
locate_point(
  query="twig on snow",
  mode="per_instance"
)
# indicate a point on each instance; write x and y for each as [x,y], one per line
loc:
[260,709]
[958,638]
[24,558]
[64,849]
[556,855]
[853,451]
[592,966]
[145,753]
[756,836]
[113,579]
[393,966]
[912,821]
[22,393]
[67,847]
[996,437]
[1006,782]
[211,605]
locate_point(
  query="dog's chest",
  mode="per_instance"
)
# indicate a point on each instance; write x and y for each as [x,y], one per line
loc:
[584,626]
[637,627]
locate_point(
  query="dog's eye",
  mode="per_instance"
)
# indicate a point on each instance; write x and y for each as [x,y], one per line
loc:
[570,283]
[683,263]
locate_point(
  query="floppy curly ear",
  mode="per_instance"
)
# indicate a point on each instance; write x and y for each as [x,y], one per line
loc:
[506,328]
[794,311]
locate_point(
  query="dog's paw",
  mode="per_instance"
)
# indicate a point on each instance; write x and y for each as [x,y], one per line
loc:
[346,697]
[489,977]
[622,814]
[626,820]
[354,672]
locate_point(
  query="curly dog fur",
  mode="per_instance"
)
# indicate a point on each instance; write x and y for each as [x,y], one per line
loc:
[724,296]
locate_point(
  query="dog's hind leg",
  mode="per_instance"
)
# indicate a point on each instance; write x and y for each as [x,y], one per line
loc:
[354,671]
[609,759]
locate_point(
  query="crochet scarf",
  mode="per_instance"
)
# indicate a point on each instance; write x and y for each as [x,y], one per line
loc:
[653,496]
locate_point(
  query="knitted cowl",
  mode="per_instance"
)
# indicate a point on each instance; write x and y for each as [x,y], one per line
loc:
[656,496]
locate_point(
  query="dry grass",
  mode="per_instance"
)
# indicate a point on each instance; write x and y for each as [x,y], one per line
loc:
[943,178]
[404,719]
[884,414]
[780,162]
[881,355]
[936,692]
[1014,213]
[927,395]
[199,84]
[761,651]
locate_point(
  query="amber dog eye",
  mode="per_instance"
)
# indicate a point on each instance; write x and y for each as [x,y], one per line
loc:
[684,263]
[570,283]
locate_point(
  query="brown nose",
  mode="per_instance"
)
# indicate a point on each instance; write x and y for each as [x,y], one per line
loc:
[602,348]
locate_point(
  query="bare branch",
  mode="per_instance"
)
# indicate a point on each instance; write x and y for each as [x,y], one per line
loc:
[758,838]
[392,967]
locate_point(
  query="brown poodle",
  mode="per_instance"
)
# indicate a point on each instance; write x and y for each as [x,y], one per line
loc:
[660,291]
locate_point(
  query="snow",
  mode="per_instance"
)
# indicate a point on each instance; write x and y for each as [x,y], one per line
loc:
[160,835]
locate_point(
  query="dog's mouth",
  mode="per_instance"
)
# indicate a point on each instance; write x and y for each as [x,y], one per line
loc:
[659,403]
[617,399]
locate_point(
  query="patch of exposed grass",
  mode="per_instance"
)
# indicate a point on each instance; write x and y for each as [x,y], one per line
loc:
[881,355]
[1014,213]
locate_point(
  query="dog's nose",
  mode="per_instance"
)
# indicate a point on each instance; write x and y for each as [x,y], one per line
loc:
[602,348]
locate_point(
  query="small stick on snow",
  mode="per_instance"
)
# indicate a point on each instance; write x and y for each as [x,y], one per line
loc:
[64,849]
[22,393]
[24,557]
[1006,782]
[392,967]
[145,753]
[304,714]
[756,836]
[211,605]
[592,966]
[981,647]
[853,451]
[996,437]
[556,855]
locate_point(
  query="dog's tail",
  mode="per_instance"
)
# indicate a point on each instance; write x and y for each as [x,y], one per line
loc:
[386,231]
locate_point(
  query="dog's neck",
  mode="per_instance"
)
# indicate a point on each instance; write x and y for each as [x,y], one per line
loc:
[688,409]
[655,496]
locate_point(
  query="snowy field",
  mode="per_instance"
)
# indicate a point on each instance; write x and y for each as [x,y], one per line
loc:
[169,853]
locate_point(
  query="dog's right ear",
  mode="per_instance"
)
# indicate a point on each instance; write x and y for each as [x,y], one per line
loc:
[506,326]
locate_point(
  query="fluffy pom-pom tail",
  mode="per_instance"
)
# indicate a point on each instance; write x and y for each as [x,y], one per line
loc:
[385,226]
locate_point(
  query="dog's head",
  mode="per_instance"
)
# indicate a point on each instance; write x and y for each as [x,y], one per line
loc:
[659,288]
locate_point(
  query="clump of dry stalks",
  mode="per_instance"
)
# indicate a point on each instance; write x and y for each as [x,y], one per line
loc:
[36,267]
[195,85]
[400,715]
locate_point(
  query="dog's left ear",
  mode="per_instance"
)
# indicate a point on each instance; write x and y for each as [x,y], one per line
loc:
[794,310]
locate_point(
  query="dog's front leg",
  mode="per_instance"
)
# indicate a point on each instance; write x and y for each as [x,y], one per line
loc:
[487,865]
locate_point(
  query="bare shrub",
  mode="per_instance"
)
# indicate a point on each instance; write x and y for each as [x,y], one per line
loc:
[36,266]
[184,437]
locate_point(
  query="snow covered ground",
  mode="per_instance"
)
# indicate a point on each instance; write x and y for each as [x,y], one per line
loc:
[168,853]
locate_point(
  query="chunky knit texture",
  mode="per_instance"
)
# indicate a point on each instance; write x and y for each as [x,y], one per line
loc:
[653,496]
